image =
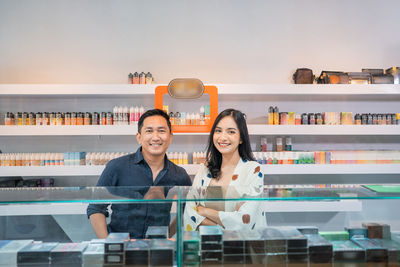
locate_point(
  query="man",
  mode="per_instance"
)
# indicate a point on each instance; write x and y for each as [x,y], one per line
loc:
[147,167]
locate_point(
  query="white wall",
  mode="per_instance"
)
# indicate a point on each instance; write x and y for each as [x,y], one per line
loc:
[218,41]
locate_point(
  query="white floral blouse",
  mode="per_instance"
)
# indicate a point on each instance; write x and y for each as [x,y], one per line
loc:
[247,181]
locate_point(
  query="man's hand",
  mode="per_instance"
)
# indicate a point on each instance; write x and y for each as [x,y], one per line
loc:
[155,192]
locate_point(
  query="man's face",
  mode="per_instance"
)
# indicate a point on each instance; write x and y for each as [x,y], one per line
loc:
[154,137]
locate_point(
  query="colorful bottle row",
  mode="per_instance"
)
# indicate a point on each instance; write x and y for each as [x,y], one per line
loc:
[279,144]
[330,118]
[84,158]
[141,78]
[119,116]
[329,157]
[127,116]
[187,118]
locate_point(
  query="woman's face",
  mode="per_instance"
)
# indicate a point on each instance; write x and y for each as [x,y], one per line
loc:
[227,136]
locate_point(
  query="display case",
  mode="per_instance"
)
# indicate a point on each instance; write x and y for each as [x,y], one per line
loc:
[361,226]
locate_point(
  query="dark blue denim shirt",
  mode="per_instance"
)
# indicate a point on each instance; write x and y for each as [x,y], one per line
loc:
[132,170]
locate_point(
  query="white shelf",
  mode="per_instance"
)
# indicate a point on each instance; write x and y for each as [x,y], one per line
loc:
[263,129]
[254,129]
[192,169]
[223,89]
[270,206]
[75,89]
[313,206]
[65,130]
[331,169]
[309,89]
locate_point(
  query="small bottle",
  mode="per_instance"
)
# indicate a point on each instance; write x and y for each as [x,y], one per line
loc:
[276,116]
[304,118]
[311,118]
[88,159]
[357,119]
[7,119]
[394,119]
[141,112]
[131,115]
[279,145]
[19,118]
[185,158]
[197,118]
[288,144]
[383,121]
[142,78]
[115,115]
[271,115]
[12,160]
[149,78]
[195,158]
[176,158]
[137,114]
[18,161]
[52,159]
[188,119]
[135,79]
[180,158]
[319,119]
[177,118]
[172,118]
[125,116]
[374,119]
[388,119]
[183,118]
[130,78]
[202,115]
[165,108]
[42,159]
[61,158]
[283,118]
[57,159]
[263,144]
[120,115]
[207,115]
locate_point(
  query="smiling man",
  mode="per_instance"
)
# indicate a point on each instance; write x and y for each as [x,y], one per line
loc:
[147,167]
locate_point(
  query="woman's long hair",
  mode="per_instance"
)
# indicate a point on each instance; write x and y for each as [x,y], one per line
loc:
[214,157]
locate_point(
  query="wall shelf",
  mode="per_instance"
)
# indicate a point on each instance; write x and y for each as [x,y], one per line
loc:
[223,89]
[263,129]
[254,129]
[192,169]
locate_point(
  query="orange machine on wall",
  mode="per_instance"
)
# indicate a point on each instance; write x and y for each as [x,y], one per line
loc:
[189,89]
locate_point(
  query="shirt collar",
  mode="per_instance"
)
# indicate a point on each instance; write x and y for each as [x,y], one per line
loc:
[138,157]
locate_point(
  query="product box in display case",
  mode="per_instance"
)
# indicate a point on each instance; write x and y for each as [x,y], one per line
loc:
[297,240]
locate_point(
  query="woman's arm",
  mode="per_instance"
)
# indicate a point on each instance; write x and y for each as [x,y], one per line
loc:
[191,219]
[210,214]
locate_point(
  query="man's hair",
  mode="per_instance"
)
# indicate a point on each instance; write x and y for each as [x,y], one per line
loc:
[153,112]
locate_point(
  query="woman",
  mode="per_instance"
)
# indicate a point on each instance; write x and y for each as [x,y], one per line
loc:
[230,172]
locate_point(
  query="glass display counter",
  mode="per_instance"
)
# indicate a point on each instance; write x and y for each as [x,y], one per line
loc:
[305,226]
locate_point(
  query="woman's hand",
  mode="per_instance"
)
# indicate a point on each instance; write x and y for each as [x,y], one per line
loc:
[201,210]
[210,214]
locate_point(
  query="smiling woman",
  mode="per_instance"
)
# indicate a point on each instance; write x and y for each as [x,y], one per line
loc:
[230,172]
